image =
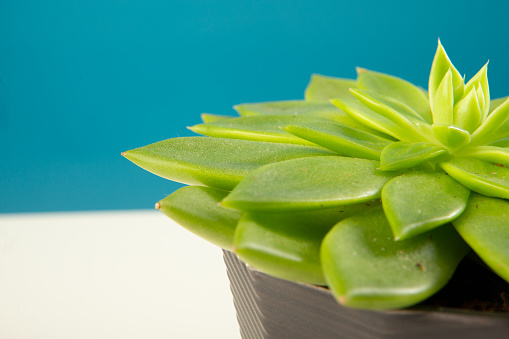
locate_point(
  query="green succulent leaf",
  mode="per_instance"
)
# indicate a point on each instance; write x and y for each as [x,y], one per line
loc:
[441,65]
[495,127]
[417,202]
[356,110]
[491,154]
[480,176]
[496,102]
[341,139]
[207,117]
[196,209]
[443,104]
[215,162]
[468,114]
[304,109]
[479,82]
[288,245]
[411,124]
[401,155]
[396,88]
[267,128]
[501,143]
[484,227]
[309,184]
[365,268]
[322,88]
[342,188]
[450,136]
[295,107]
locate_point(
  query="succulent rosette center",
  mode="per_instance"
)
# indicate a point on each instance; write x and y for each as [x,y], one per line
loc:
[374,187]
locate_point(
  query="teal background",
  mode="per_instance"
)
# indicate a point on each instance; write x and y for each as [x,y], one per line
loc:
[81,81]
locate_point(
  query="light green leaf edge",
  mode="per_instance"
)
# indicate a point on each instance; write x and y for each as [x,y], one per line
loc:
[267,128]
[309,184]
[215,162]
[397,88]
[323,88]
[479,176]
[401,155]
[356,110]
[491,154]
[341,139]
[208,117]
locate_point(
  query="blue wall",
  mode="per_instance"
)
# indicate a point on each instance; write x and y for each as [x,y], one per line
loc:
[81,81]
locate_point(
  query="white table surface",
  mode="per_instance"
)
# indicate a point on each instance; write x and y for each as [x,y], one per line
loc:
[122,274]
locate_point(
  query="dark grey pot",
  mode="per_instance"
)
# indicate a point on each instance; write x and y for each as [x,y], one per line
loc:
[269,307]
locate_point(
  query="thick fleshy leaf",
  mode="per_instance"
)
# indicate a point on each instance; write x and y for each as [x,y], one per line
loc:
[365,268]
[479,176]
[400,155]
[451,136]
[215,162]
[341,139]
[480,81]
[399,89]
[389,106]
[497,102]
[356,110]
[308,184]
[196,209]
[468,114]
[491,154]
[267,128]
[420,201]
[495,127]
[322,88]
[294,107]
[482,102]
[444,101]
[439,68]
[288,245]
[413,126]
[304,108]
[207,117]
[501,143]
[484,227]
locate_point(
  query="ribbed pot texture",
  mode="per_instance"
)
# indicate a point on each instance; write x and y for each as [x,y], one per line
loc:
[269,307]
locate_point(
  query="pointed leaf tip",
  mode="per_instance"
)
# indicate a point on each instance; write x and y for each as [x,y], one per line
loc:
[480,82]
[439,68]
[442,109]
[360,70]
[468,112]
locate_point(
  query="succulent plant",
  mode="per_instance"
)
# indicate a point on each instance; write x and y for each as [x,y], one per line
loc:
[372,187]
